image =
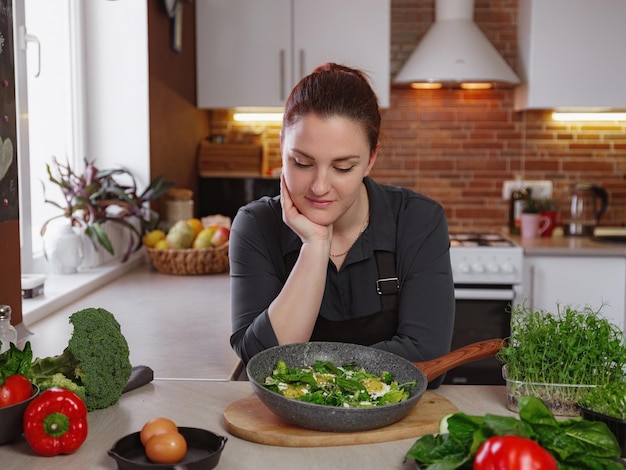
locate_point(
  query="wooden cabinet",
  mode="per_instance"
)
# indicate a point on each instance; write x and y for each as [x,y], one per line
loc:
[250,53]
[571,54]
[578,281]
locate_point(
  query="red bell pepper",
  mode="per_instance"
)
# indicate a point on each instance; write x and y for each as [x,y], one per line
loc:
[513,453]
[16,389]
[55,422]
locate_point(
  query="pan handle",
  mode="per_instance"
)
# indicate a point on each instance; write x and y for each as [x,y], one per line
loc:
[472,352]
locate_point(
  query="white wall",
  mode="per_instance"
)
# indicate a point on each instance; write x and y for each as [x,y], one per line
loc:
[117,85]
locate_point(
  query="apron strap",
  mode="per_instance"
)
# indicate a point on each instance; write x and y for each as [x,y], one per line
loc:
[387,284]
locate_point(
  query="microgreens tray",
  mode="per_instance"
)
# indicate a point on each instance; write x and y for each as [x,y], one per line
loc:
[561,399]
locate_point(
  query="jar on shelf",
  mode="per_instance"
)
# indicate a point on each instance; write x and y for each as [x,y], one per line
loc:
[178,205]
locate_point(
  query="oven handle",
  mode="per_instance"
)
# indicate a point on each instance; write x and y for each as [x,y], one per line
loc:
[484,294]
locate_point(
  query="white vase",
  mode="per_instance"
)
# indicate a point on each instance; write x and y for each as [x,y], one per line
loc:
[95,256]
[63,249]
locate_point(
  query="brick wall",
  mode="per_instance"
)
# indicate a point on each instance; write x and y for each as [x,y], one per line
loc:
[458,146]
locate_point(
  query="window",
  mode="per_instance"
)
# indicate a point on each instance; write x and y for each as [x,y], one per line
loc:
[89,100]
[50,105]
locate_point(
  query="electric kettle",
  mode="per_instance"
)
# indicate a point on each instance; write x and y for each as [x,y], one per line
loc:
[586,205]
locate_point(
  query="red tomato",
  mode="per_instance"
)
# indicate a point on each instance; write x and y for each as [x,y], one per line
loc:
[16,389]
[513,453]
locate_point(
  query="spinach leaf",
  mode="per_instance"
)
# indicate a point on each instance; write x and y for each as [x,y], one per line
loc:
[15,361]
[575,443]
[438,452]
[591,437]
[533,411]
[507,426]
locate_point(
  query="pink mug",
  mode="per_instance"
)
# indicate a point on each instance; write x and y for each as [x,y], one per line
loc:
[533,225]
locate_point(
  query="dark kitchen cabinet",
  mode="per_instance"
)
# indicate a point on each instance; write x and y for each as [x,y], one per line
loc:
[225,195]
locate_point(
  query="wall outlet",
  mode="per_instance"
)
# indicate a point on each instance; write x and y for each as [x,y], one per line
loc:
[540,189]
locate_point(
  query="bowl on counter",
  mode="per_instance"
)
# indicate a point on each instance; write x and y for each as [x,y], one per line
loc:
[204,449]
[11,418]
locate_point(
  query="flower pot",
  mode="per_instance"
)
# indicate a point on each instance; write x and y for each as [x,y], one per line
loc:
[95,256]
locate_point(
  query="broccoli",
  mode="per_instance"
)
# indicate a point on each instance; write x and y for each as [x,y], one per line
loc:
[95,364]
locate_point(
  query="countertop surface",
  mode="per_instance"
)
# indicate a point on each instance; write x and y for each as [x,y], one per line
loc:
[559,245]
[178,325]
[202,403]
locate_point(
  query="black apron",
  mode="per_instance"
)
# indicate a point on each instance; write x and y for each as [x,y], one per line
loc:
[370,329]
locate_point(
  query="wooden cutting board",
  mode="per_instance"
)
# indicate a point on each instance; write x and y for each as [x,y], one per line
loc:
[251,420]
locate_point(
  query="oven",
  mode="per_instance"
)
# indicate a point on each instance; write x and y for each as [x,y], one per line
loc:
[487,273]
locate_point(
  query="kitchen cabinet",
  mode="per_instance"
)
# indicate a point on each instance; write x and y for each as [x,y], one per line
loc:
[578,281]
[250,53]
[571,54]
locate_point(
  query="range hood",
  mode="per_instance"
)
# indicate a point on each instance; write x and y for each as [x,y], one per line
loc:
[455,53]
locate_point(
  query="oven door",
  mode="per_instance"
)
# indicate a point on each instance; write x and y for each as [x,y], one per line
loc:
[482,312]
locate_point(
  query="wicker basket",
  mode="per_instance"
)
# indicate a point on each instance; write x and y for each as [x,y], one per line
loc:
[190,261]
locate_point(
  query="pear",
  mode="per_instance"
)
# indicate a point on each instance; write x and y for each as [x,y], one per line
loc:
[180,236]
[203,239]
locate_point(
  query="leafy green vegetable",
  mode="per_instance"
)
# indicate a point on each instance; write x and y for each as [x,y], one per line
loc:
[95,364]
[575,443]
[571,347]
[608,399]
[15,361]
[324,383]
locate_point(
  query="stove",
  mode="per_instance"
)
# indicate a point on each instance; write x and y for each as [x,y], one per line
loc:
[487,274]
[485,258]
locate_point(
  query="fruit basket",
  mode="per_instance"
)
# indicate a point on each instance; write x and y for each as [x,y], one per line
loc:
[191,261]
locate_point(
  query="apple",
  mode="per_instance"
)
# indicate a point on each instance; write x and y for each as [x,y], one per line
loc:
[221,236]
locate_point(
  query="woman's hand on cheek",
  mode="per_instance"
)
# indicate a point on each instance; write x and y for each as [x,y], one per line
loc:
[298,222]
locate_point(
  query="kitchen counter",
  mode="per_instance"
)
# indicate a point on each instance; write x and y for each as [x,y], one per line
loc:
[201,404]
[569,246]
[178,325]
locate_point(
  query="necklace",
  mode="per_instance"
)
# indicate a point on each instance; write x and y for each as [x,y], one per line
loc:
[363,227]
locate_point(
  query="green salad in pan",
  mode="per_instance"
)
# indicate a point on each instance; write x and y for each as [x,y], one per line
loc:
[348,386]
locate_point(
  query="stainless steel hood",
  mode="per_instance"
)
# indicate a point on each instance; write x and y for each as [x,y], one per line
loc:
[454,52]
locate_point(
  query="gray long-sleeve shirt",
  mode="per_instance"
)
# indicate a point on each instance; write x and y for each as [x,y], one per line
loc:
[411,225]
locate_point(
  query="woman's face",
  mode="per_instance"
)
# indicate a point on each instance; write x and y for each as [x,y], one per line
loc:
[324,163]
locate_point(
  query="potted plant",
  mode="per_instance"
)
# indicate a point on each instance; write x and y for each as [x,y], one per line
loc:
[93,198]
[560,357]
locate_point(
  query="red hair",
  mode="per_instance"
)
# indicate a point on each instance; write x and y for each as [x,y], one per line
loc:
[335,90]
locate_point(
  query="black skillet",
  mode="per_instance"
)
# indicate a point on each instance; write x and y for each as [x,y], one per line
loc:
[335,419]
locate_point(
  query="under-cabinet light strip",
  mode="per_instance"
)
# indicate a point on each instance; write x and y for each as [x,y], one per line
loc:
[258,117]
[589,116]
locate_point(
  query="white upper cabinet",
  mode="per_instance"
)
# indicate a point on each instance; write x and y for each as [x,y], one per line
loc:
[250,53]
[571,54]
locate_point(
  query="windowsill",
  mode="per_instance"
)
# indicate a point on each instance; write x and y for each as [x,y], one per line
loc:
[63,289]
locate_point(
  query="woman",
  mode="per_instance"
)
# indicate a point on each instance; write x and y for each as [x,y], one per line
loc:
[338,257]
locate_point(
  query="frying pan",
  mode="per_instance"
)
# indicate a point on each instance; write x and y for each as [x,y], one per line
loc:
[337,419]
